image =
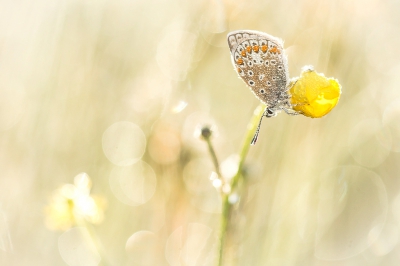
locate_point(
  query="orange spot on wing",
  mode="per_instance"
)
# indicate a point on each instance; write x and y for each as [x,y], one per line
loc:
[240,61]
[275,50]
[243,53]
[248,48]
[239,70]
[255,48]
[264,48]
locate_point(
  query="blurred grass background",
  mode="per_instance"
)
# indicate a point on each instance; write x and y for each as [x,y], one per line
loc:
[103,87]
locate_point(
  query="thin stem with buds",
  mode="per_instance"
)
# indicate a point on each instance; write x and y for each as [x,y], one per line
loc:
[226,204]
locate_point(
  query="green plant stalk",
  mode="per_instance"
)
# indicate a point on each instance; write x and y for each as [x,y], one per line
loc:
[213,156]
[226,205]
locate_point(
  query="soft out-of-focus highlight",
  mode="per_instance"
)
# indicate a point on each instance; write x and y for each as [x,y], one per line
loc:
[100,164]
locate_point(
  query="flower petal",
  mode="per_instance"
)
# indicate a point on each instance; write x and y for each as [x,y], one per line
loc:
[313,94]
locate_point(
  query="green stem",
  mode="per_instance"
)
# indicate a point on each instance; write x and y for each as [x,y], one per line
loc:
[226,205]
[213,156]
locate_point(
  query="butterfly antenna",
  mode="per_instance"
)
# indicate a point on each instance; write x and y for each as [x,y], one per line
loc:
[254,140]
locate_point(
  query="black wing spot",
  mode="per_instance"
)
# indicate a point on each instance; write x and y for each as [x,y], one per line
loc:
[251,83]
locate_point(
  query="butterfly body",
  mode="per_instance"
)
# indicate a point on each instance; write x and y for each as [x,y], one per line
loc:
[260,61]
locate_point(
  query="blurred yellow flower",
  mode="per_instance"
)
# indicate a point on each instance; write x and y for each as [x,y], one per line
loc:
[72,203]
[313,94]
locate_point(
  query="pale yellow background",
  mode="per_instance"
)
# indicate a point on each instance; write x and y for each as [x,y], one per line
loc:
[95,86]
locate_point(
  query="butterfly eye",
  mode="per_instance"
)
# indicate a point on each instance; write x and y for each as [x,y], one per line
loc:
[251,83]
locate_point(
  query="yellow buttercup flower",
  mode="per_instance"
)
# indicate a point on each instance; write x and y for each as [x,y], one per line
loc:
[72,203]
[313,94]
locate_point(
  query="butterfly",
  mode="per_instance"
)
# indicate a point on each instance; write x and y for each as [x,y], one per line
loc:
[261,62]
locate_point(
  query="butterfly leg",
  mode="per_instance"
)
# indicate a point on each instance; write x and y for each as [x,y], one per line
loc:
[288,108]
[291,111]
[267,113]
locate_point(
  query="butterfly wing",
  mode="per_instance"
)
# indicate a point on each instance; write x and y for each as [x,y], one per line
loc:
[260,61]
